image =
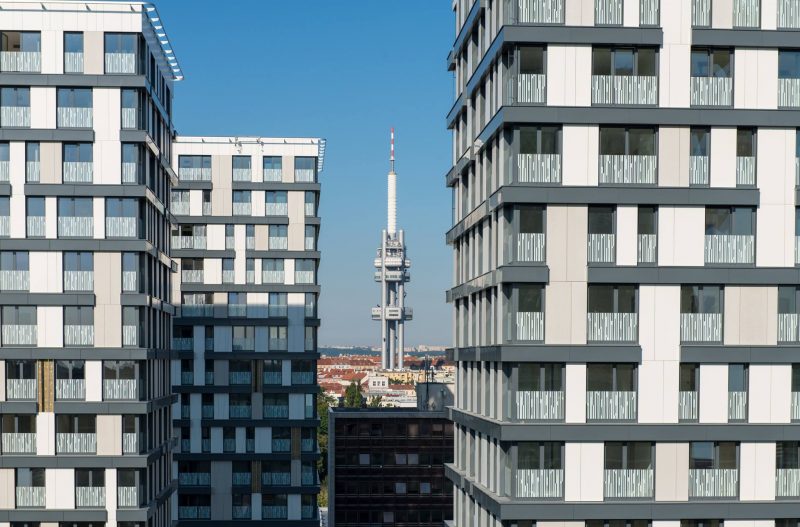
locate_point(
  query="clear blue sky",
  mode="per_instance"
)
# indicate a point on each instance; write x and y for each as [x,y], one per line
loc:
[347,71]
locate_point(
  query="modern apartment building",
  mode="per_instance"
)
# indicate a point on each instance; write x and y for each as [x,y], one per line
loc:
[245,339]
[625,258]
[85,272]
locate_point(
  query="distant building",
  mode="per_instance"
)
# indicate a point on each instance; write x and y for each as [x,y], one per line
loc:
[386,465]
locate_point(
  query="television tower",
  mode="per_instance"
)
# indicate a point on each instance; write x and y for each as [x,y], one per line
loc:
[392,274]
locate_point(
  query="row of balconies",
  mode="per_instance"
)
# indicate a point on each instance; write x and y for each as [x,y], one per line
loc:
[274,243]
[270,378]
[73,389]
[279,476]
[66,443]
[74,335]
[270,411]
[197,276]
[274,175]
[735,249]
[278,445]
[244,512]
[85,497]
[31,62]
[80,227]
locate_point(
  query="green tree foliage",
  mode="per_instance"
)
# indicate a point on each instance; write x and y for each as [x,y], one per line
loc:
[353,396]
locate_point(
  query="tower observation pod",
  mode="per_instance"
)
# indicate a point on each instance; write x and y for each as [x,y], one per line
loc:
[392,273]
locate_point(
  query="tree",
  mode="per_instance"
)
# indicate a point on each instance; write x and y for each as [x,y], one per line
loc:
[324,402]
[353,396]
[375,402]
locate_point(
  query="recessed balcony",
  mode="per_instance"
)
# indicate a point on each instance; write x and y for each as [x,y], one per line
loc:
[20,389]
[527,88]
[611,406]
[273,378]
[240,411]
[76,443]
[545,484]
[787,483]
[120,389]
[274,512]
[20,61]
[625,90]
[539,168]
[535,12]
[303,377]
[628,483]
[608,12]
[30,497]
[530,247]
[19,334]
[530,326]
[713,483]
[729,249]
[280,444]
[701,327]
[70,389]
[612,327]
[194,512]
[188,242]
[19,443]
[602,248]
[540,405]
[711,91]
[130,443]
[194,479]
[628,169]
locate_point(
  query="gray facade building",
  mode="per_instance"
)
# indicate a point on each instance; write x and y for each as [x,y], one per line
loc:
[625,263]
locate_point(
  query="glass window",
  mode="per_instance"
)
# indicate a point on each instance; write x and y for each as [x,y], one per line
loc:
[531,219]
[737,377]
[15,97]
[529,298]
[78,152]
[701,299]
[120,42]
[73,42]
[699,141]
[541,377]
[242,162]
[745,142]
[74,98]
[531,60]
[601,220]
[689,377]
[540,455]
[787,300]
[647,220]
[789,64]
[21,41]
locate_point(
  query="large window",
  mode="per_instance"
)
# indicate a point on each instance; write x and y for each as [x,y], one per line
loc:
[611,377]
[628,141]
[624,61]
[540,140]
[544,377]
[789,64]
[628,456]
[711,63]
[710,455]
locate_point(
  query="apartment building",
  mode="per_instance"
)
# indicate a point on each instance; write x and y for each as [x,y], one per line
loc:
[625,244]
[245,339]
[85,272]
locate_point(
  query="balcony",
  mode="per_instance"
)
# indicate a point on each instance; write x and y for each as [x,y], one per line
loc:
[192,276]
[649,12]
[194,512]
[240,412]
[30,497]
[78,335]
[628,483]
[15,280]
[302,377]
[687,406]
[307,445]
[625,90]
[32,171]
[72,117]
[73,62]
[788,327]
[242,174]
[729,249]
[194,173]
[628,170]
[746,171]
[540,405]
[701,327]
[536,12]
[273,377]
[121,226]
[243,343]
[646,248]
[530,326]
[539,168]
[75,226]
[274,512]
[78,280]
[237,310]
[197,310]
[120,389]
[278,242]
[608,12]
[130,172]
[530,247]
[788,14]
[20,335]
[711,91]
[70,389]
[308,512]
[15,116]
[281,445]
[242,479]
[76,443]
[129,119]
[194,479]
[130,335]
[242,208]
[77,171]
[713,483]
[610,406]
[276,209]
[21,389]
[240,377]
[540,483]
[187,377]
[129,279]
[273,175]
[20,61]
[241,512]
[737,406]
[746,14]
[310,209]
[229,445]
[527,88]
[787,483]
[276,479]
[120,63]
[276,411]
[19,443]
[304,175]
[602,248]
[701,13]
[304,277]
[130,443]
[188,242]
[127,497]
[207,411]
[698,170]
[612,327]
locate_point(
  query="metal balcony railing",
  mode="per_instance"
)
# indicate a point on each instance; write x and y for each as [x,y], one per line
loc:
[129,281]
[612,327]
[78,335]
[73,117]
[76,443]
[713,483]
[540,483]
[540,405]
[19,443]
[304,277]
[241,512]
[76,226]
[194,512]
[277,412]
[649,12]
[130,172]
[78,280]
[627,90]
[77,171]
[304,175]
[120,389]
[130,443]
[35,226]
[30,497]
[242,478]
[276,344]
[746,171]
[701,327]
[602,248]
[194,479]
[130,335]
[15,280]
[309,209]
[21,389]
[276,209]
[73,62]
[242,208]
[737,406]
[278,479]
[698,170]
[628,483]
[32,171]
[21,61]
[787,482]
[273,175]
[307,445]
[20,334]
[129,120]
[278,242]
[121,227]
[795,406]
[746,13]
[788,327]
[711,91]
[242,174]
[608,12]
[729,249]
[71,389]
[701,13]
[530,326]
[120,63]
[194,174]
[5,225]
[127,497]
[535,11]
[192,276]
[530,247]
[5,171]
[240,377]
[240,412]
[302,377]
[788,14]
[207,411]
[274,512]
[15,116]
[539,168]
[272,277]
[527,88]
[687,406]
[610,406]
[646,248]
[188,242]
[628,169]
[273,377]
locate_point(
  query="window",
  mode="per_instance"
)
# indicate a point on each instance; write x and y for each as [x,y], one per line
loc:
[737,377]
[787,455]
[788,64]
[745,142]
[628,456]
[17,105]
[730,221]
[535,377]
[647,220]
[701,299]
[628,141]
[35,217]
[531,60]
[120,53]
[32,157]
[529,298]
[24,41]
[601,220]
[14,261]
[699,142]
[74,98]
[73,42]
[624,61]
[540,140]
[711,63]
[273,166]
[612,299]
[78,152]
[689,378]
[240,162]
[611,377]
[708,455]
[540,455]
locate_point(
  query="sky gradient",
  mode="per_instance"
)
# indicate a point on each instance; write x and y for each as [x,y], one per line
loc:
[346,71]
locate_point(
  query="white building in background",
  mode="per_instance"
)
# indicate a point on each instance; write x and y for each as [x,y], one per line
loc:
[625,249]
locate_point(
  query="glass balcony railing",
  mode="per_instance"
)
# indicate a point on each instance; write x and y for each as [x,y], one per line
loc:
[627,90]
[602,248]
[277,344]
[713,483]
[649,14]
[273,411]
[5,226]
[187,377]
[130,335]
[70,389]
[530,247]
[276,479]
[207,411]
[788,14]
[124,63]
[129,281]
[5,167]
[273,377]
[18,443]
[646,248]
[304,277]
[240,412]
[21,389]
[273,175]
[77,171]
[30,497]
[539,168]
[530,326]
[242,209]
[229,445]
[240,377]
[687,406]
[628,169]
[612,327]
[15,116]
[701,327]
[698,170]
[241,512]
[32,171]
[78,335]
[72,117]
[15,280]
[121,227]
[711,91]
[242,343]
[278,242]
[527,88]
[19,335]
[242,479]
[21,61]
[130,172]
[535,11]
[274,512]
[628,483]
[308,512]
[737,406]
[120,389]
[729,249]
[73,62]
[746,13]
[129,120]
[610,406]
[272,277]
[194,479]
[302,377]
[78,280]
[308,445]
[745,171]
[787,483]
[608,12]
[540,405]
[76,443]
[194,512]
[540,483]
[127,497]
